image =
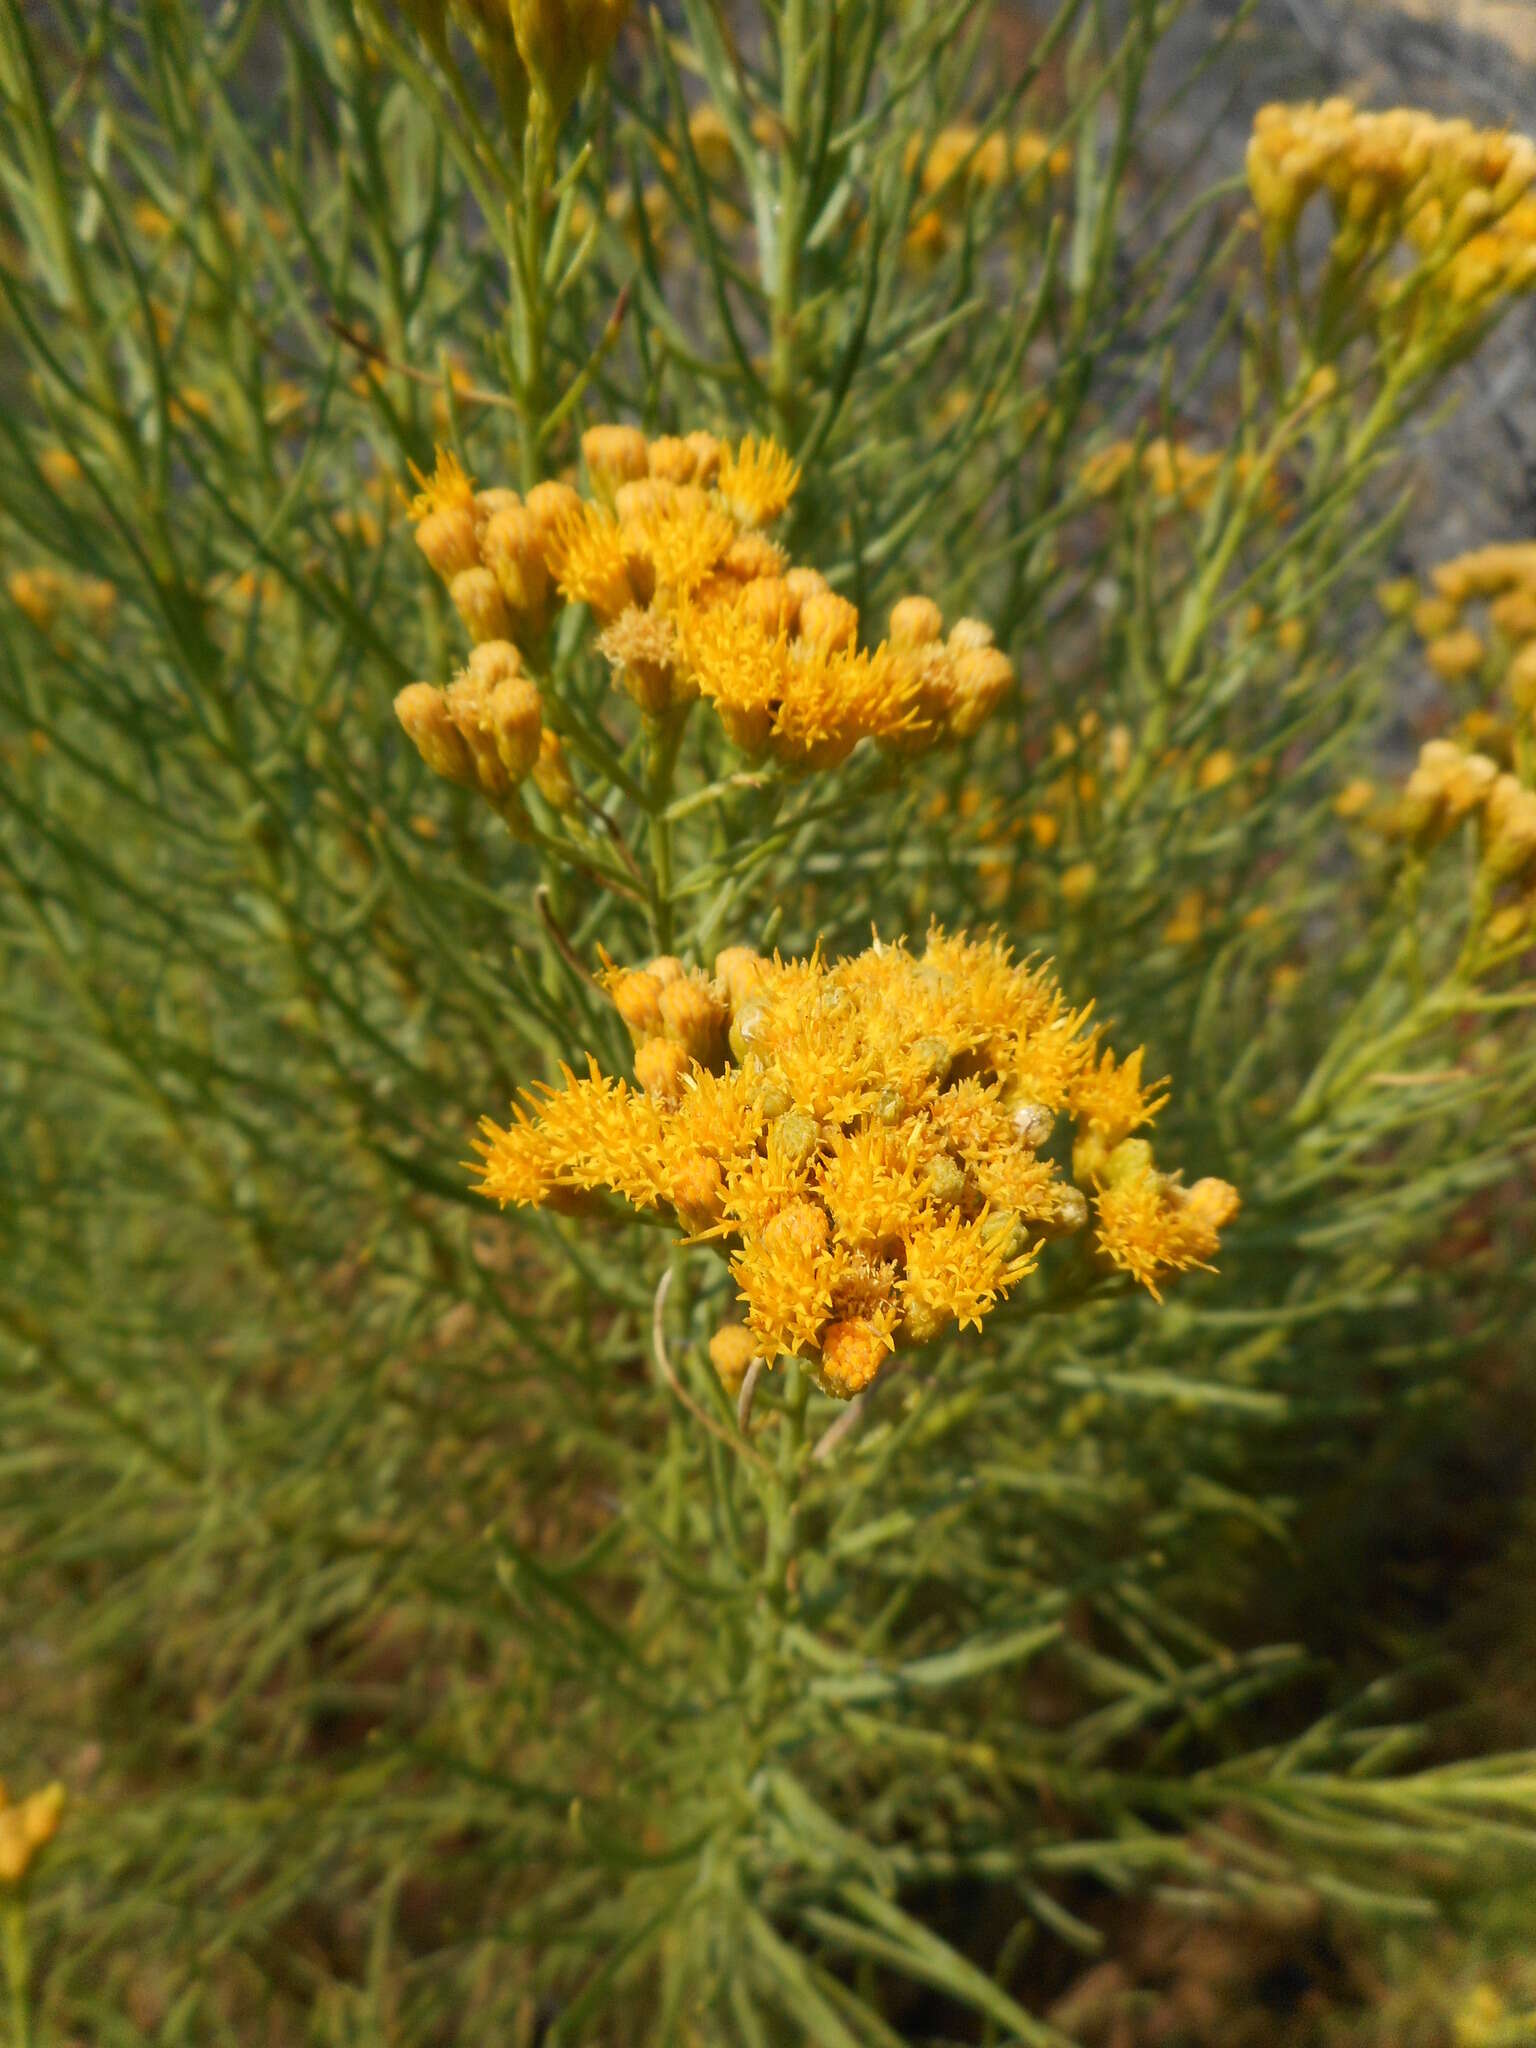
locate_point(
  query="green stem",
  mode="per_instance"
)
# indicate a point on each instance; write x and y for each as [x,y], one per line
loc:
[780,1493]
[785,283]
[663,737]
[530,310]
[17,1973]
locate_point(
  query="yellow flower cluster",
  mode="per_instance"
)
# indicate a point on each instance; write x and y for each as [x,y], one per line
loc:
[1171,472]
[960,161]
[692,598]
[1501,577]
[51,597]
[551,45]
[485,731]
[1455,196]
[865,1138]
[26,1827]
[1451,783]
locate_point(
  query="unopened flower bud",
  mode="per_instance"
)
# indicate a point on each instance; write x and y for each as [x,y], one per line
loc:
[421,710]
[979,681]
[946,1181]
[933,1058]
[830,621]
[691,1015]
[511,551]
[551,774]
[731,1350]
[636,995]
[492,661]
[660,1065]
[614,455]
[749,1028]
[773,1097]
[799,1135]
[1009,1227]
[1455,656]
[970,636]
[516,719]
[1128,1160]
[489,502]
[479,603]
[447,539]
[1033,1124]
[672,460]
[769,603]
[916,622]
[547,504]
[852,1353]
[739,970]
[805,583]
[1509,828]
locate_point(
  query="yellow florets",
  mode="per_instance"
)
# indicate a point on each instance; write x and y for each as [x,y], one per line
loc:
[449,488]
[1149,1225]
[757,482]
[866,1139]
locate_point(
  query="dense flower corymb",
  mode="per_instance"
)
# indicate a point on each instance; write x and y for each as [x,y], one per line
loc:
[865,1138]
[1452,200]
[691,599]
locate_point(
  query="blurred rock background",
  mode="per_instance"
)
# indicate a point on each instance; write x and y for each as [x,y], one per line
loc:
[1470,57]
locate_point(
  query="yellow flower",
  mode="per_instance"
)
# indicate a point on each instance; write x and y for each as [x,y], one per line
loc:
[449,487]
[1149,1226]
[644,649]
[684,539]
[588,560]
[27,1827]
[1112,1098]
[757,481]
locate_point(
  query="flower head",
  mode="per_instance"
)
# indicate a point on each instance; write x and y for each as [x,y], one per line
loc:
[757,481]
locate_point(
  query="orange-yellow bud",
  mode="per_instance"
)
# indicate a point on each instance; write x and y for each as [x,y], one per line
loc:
[660,1065]
[731,1350]
[422,711]
[479,603]
[916,622]
[516,719]
[614,455]
[447,539]
[830,621]
[852,1353]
